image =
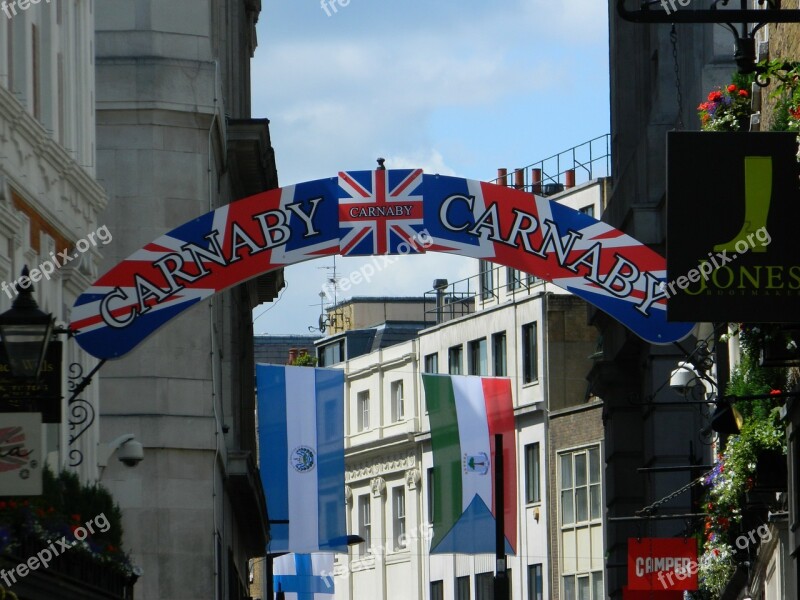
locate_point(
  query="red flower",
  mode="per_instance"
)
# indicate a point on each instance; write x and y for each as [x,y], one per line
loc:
[715,96]
[716,552]
[111,548]
[51,510]
[3,505]
[76,517]
[743,93]
[775,392]
[795,112]
[731,88]
[12,504]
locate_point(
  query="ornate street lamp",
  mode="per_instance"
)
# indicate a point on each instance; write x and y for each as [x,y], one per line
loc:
[25,331]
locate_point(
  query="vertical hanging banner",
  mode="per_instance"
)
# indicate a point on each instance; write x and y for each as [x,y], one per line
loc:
[301,457]
[662,564]
[377,212]
[465,414]
[304,576]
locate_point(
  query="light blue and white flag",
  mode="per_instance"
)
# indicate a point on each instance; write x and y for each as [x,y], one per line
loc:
[303,576]
[301,450]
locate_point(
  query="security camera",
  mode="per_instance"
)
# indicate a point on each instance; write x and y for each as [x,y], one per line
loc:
[131,453]
[683,378]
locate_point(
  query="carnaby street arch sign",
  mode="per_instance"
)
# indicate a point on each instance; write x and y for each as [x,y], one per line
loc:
[362,213]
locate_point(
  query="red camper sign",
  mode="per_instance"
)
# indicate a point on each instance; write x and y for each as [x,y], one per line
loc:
[662,564]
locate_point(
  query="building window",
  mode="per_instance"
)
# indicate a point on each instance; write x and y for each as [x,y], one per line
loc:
[398,404]
[454,360]
[588,210]
[499,353]
[437,590]
[581,521]
[362,401]
[584,586]
[399,517]
[535,585]
[580,486]
[432,363]
[513,279]
[462,588]
[331,354]
[36,76]
[477,361]
[532,473]
[430,495]
[484,586]
[364,522]
[486,279]
[530,353]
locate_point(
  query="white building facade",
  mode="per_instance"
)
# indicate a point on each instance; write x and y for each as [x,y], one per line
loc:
[521,328]
[50,202]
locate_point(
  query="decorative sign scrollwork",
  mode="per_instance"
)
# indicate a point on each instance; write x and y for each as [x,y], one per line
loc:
[81,413]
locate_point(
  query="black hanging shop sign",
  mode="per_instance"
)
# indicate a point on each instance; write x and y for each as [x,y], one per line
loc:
[733,212]
[33,395]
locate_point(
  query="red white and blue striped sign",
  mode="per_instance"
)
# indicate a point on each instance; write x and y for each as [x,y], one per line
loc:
[374,212]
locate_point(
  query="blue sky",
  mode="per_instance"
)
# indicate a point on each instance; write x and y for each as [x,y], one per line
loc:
[454,87]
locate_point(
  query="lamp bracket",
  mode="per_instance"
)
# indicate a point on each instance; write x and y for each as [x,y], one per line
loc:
[749,21]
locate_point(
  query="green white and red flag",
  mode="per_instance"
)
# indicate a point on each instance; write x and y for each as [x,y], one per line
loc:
[465,414]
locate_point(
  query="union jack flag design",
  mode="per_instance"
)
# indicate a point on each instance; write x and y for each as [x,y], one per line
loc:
[380,212]
[368,213]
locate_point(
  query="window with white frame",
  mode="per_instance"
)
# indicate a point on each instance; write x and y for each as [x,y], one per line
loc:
[581,518]
[462,588]
[535,583]
[364,522]
[484,586]
[432,363]
[486,279]
[476,359]
[437,590]
[499,353]
[530,353]
[362,404]
[513,279]
[532,473]
[398,407]
[399,517]
[455,360]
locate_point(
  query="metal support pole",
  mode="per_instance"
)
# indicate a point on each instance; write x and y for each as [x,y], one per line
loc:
[501,575]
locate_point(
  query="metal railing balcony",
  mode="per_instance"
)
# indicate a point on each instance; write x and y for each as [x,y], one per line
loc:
[561,171]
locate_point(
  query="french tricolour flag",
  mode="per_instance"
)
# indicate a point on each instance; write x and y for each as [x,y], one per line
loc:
[301,450]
